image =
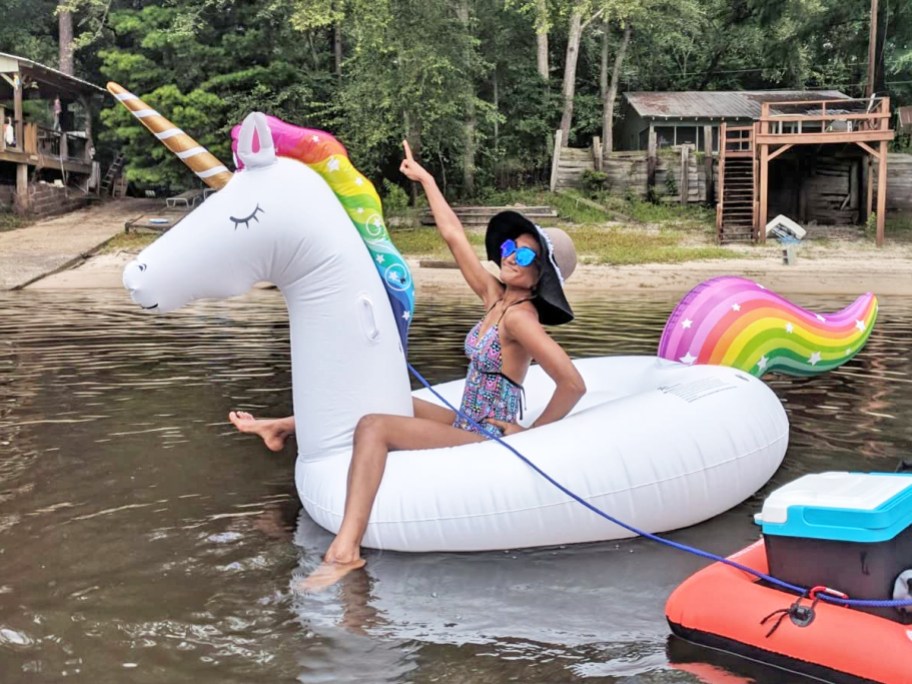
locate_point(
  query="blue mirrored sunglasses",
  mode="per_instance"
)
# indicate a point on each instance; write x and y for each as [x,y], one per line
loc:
[525,256]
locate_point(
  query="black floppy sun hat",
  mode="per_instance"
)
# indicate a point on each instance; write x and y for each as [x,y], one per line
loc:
[557,261]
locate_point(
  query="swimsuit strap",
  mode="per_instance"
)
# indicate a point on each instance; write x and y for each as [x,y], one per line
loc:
[504,312]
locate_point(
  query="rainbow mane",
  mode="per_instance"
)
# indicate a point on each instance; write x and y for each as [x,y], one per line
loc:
[729,321]
[329,158]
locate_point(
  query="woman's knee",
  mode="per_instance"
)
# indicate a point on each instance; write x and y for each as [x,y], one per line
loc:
[371,427]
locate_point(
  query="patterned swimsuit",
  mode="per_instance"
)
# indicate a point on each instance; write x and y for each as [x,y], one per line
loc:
[488,392]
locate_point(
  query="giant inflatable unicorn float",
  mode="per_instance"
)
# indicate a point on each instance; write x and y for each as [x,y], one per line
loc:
[659,442]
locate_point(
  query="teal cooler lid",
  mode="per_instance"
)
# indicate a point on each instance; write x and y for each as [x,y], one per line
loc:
[840,506]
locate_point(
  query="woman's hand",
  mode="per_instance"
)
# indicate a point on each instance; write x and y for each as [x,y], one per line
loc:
[505,427]
[410,168]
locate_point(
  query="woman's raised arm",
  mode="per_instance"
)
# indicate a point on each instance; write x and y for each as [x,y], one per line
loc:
[482,282]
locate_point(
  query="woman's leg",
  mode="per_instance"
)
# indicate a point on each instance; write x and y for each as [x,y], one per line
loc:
[273,431]
[435,412]
[375,436]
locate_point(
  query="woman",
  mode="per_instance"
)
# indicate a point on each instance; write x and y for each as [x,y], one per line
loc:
[533,264]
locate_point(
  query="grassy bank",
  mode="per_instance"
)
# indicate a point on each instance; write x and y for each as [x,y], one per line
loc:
[609,231]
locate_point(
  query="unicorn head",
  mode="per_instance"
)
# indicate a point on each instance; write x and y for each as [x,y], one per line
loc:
[252,230]
[278,220]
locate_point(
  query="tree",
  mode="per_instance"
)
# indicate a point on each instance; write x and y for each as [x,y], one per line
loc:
[65,22]
[611,90]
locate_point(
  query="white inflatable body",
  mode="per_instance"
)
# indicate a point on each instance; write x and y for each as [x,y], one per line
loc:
[657,444]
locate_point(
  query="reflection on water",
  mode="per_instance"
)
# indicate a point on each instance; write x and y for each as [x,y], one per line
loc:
[142,539]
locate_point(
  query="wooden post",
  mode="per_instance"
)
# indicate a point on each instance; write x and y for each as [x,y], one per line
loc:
[853,190]
[881,192]
[22,196]
[709,195]
[2,129]
[17,113]
[869,202]
[684,185]
[755,184]
[555,159]
[651,160]
[764,189]
[720,195]
[597,153]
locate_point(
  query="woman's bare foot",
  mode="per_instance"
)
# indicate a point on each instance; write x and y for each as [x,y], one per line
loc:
[341,558]
[328,574]
[273,431]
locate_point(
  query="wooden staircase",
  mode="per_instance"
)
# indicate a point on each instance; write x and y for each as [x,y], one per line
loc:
[736,210]
[107,183]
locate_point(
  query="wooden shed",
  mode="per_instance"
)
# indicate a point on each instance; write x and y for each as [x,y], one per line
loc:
[678,118]
[806,154]
[46,150]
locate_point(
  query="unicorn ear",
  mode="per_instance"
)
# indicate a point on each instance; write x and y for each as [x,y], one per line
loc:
[256,121]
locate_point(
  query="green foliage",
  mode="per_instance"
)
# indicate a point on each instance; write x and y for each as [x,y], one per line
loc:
[11,221]
[671,184]
[395,199]
[417,68]
[871,223]
[594,182]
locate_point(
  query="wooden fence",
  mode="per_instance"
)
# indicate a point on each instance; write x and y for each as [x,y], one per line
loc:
[899,183]
[678,171]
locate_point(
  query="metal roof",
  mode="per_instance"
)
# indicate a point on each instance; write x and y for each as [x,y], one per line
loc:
[742,104]
[52,75]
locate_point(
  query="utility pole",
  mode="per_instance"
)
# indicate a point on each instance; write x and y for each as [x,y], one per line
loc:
[872,51]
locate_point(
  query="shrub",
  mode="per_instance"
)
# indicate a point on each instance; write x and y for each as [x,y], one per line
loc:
[594,182]
[394,197]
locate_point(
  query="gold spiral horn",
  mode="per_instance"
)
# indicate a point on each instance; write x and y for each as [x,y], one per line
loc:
[207,168]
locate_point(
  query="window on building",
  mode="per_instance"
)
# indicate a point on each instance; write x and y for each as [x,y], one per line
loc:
[665,136]
[685,135]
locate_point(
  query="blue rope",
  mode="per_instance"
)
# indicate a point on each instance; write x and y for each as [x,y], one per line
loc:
[893,603]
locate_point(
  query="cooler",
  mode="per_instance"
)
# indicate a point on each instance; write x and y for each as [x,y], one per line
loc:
[847,531]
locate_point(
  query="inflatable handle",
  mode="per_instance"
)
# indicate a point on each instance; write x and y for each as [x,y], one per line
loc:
[732,321]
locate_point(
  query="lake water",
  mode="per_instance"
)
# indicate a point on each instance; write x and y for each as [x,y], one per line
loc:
[143,540]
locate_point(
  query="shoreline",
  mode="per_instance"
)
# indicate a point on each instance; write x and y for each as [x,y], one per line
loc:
[848,269]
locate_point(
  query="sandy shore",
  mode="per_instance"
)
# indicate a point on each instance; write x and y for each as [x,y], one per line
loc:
[849,267]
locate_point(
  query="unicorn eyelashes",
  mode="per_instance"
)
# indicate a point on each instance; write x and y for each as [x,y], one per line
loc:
[246,220]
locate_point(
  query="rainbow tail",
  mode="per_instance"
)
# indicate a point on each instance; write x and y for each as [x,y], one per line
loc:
[730,321]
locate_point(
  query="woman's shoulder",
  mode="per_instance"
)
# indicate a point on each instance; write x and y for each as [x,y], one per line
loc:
[522,317]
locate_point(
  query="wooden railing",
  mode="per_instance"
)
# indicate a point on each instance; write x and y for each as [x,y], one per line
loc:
[738,140]
[825,117]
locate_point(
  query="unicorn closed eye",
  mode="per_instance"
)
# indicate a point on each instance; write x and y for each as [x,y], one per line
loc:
[657,443]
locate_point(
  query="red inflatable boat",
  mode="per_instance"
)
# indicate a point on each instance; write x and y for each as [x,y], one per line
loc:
[731,610]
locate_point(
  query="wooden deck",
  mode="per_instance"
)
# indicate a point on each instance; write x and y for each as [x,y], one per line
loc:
[862,122]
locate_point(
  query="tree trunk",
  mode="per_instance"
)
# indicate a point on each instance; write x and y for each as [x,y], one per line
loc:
[603,64]
[541,38]
[471,123]
[496,97]
[337,48]
[611,94]
[65,27]
[569,87]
